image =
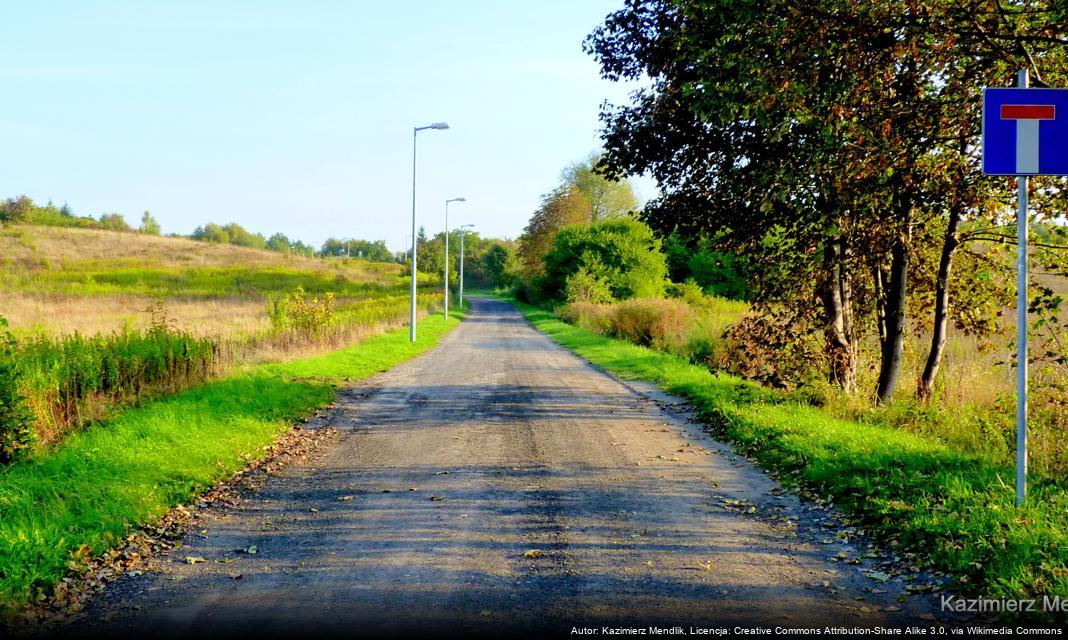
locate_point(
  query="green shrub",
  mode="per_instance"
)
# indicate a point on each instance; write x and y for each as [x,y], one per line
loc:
[307,317]
[621,251]
[65,379]
[16,421]
[656,323]
[588,315]
[583,286]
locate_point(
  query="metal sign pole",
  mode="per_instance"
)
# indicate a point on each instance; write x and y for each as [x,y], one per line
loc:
[1021,330]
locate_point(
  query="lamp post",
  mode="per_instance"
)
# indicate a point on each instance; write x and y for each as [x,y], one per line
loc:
[446,285]
[415,136]
[462,233]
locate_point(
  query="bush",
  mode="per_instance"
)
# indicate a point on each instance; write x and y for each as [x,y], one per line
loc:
[655,323]
[295,312]
[64,379]
[583,286]
[780,347]
[588,315]
[620,251]
[16,421]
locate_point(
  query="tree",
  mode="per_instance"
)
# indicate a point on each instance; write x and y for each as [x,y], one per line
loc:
[606,198]
[622,252]
[149,225]
[563,206]
[280,243]
[500,264]
[16,210]
[819,136]
[211,232]
[114,222]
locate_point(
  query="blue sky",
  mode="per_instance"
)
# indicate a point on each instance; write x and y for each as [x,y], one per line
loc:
[297,116]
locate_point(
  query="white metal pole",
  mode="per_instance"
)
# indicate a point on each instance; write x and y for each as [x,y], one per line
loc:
[446,312]
[415,134]
[461,268]
[1021,330]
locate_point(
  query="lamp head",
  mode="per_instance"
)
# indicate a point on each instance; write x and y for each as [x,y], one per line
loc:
[439,125]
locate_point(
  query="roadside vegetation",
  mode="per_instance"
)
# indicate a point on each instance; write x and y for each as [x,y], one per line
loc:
[934,503]
[89,492]
[136,369]
[825,271]
[101,320]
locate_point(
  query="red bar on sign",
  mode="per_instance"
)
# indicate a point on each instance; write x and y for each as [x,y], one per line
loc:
[1028,112]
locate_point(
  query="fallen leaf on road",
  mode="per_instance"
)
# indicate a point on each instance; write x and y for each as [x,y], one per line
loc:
[252,550]
[344,498]
[533,553]
[194,559]
[313,510]
[436,498]
[442,473]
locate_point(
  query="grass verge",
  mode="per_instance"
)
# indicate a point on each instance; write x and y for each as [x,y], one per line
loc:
[954,511]
[85,495]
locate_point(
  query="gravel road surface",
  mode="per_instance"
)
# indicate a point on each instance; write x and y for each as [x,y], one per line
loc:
[501,484]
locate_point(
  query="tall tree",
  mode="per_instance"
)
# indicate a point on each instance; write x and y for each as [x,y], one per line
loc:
[149,225]
[814,133]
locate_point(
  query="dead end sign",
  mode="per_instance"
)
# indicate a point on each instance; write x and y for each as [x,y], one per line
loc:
[1025,131]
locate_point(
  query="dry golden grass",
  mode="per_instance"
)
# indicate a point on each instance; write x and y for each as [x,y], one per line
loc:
[60,314]
[37,248]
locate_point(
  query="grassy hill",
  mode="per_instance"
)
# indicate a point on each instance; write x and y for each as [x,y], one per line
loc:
[61,280]
[137,377]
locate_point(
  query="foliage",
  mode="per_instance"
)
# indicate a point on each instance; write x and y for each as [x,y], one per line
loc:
[849,154]
[16,421]
[622,252]
[778,346]
[149,225]
[308,317]
[692,327]
[114,222]
[64,379]
[375,251]
[954,511]
[605,198]
[718,273]
[584,195]
[583,286]
[23,210]
[92,490]
[500,265]
[559,208]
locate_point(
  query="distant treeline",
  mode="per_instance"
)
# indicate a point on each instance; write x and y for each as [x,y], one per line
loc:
[23,210]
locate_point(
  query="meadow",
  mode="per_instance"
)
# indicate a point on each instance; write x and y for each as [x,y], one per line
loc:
[102,319]
[137,371]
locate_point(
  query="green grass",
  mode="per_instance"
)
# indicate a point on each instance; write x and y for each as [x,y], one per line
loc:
[191,282]
[954,510]
[103,481]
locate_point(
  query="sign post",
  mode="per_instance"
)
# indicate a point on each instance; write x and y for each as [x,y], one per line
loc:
[1022,137]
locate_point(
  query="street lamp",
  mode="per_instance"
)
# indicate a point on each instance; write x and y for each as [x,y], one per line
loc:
[446,287]
[415,136]
[462,227]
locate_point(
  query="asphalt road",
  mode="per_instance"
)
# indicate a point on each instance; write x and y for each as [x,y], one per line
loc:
[499,483]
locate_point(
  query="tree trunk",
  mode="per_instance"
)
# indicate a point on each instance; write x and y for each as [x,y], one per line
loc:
[941,311]
[837,305]
[896,298]
[880,276]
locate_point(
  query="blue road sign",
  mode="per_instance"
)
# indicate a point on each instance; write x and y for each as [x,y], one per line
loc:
[1025,132]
